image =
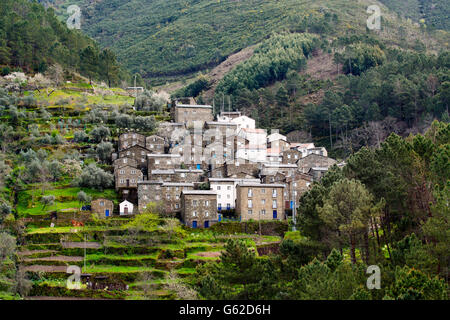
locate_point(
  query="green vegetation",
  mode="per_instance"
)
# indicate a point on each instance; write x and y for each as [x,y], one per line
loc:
[32,39]
[433,14]
[65,198]
[270,62]
[169,39]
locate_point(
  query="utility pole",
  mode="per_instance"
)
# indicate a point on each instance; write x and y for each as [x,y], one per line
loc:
[294,222]
[135,88]
[84,253]
[223,103]
[259,220]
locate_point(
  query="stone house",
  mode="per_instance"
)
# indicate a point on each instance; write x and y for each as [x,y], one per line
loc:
[129,139]
[163,161]
[171,194]
[191,114]
[123,162]
[217,171]
[314,161]
[317,172]
[137,153]
[155,144]
[217,153]
[260,201]
[102,207]
[242,171]
[162,175]
[188,175]
[296,186]
[321,151]
[171,131]
[291,156]
[168,194]
[127,177]
[199,208]
[148,191]
[277,177]
[272,169]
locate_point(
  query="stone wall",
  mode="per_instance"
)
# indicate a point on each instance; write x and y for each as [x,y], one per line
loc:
[197,203]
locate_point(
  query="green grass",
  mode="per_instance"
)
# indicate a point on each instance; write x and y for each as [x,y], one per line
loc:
[98,257]
[66,198]
[117,269]
[69,229]
[293,235]
[186,271]
[73,98]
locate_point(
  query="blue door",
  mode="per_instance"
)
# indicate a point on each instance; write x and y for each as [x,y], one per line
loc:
[194,224]
[219,218]
[107,213]
[198,167]
[274,214]
[206,224]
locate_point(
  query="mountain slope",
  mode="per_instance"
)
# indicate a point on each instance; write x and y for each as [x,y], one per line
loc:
[162,38]
[32,39]
[435,13]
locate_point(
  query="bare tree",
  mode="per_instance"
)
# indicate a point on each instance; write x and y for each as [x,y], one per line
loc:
[175,284]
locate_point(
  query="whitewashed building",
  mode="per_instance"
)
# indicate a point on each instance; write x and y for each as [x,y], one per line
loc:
[226,190]
[244,122]
[126,208]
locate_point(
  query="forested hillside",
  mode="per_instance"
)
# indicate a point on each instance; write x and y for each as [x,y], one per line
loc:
[162,38]
[32,39]
[433,13]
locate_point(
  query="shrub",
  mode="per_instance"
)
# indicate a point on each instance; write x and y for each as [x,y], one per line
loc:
[94,177]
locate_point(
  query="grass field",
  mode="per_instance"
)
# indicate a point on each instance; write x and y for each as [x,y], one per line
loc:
[66,198]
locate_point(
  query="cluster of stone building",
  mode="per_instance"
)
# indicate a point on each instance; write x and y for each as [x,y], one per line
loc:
[199,167]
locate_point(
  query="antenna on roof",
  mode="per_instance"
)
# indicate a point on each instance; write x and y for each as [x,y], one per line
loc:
[223,103]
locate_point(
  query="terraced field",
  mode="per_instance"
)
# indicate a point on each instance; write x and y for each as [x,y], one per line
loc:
[117,262]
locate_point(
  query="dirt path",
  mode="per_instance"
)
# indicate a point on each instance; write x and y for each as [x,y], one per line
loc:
[209,254]
[89,245]
[32,252]
[55,258]
[39,268]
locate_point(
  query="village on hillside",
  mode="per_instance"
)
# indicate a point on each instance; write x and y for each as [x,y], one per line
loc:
[207,170]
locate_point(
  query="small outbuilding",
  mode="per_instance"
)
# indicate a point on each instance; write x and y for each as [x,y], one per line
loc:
[102,207]
[126,208]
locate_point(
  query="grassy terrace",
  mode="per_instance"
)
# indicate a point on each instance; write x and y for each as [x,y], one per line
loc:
[147,261]
[66,199]
[81,94]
